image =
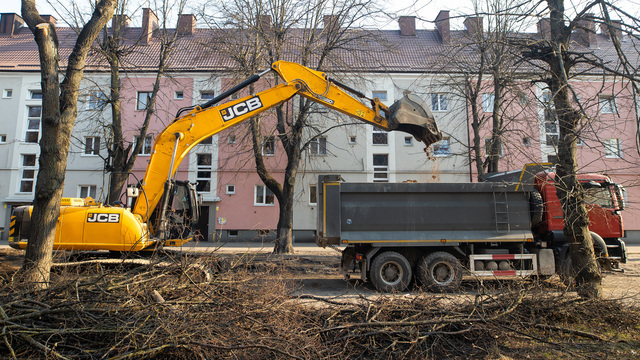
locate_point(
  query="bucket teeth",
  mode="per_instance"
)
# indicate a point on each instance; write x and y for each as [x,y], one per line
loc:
[411,115]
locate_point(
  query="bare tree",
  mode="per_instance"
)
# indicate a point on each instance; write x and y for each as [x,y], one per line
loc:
[115,47]
[59,111]
[310,32]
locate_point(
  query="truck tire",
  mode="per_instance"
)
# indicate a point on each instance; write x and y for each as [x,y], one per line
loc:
[440,272]
[390,272]
[536,205]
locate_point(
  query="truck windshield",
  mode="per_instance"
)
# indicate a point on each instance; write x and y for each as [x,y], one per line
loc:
[600,196]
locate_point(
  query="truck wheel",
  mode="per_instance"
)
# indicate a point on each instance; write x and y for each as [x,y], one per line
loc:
[440,272]
[536,205]
[390,272]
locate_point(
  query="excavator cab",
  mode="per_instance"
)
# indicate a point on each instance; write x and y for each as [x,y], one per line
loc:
[411,115]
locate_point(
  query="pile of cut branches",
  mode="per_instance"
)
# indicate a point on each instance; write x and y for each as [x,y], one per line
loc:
[202,307]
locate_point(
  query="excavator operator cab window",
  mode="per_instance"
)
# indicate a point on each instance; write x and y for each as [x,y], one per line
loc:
[183,210]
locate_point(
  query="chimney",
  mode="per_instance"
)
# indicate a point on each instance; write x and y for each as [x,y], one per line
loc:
[544,28]
[10,23]
[473,25]
[265,22]
[443,26]
[331,22]
[186,24]
[50,19]
[120,21]
[617,29]
[149,25]
[407,25]
[585,33]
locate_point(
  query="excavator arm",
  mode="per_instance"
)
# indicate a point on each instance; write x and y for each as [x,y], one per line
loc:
[174,143]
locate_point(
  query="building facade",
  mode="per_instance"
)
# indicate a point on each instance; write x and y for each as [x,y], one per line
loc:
[236,204]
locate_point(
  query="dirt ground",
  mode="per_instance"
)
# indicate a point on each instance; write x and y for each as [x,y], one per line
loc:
[315,271]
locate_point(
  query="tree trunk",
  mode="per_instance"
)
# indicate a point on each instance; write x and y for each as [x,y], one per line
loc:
[59,111]
[576,219]
[284,231]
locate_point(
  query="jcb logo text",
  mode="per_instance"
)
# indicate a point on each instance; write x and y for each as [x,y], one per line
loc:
[241,108]
[103,218]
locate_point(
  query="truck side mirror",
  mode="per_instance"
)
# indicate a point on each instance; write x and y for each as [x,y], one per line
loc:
[620,192]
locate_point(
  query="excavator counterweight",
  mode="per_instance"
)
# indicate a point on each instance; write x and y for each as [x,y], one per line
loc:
[411,115]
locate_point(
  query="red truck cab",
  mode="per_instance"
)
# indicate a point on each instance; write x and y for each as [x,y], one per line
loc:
[604,200]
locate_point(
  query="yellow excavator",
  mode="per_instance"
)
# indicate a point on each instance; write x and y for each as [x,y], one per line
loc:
[163,209]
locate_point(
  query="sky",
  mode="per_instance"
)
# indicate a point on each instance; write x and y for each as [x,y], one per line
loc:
[425,10]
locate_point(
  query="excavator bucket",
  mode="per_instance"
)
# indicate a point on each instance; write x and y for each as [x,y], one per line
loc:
[411,115]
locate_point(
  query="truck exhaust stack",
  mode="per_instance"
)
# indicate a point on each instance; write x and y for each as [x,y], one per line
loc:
[411,115]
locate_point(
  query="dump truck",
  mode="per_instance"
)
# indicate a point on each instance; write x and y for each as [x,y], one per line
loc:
[442,231]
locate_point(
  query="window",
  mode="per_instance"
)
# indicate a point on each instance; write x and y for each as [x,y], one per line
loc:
[380,94]
[268,146]
[353,139]
[143,100]
[3,138]
[313,195]
[442,147]
[85,191]
[600,196]
[526,141]
[551,126]
[92,145]
[232,233]
[231,189]
[203,173]
[207,95]
[264,196]
[207,141]
[33,124]
[487,147]
[146,147]
[439,102]
[28,175]
[35,94]
[178,95]
[231,139]
[408,140]
[523,99]
[318,146]
[7,94]
[608,105]
[97,100]
[612,148]
[380,137]
[487,102]
[380,167]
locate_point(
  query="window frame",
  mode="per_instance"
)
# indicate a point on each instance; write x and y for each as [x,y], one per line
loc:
[93,150]
[440,144]
[440,100]
[318,146]
[24,168]
[201,169]
[378,134]
[7,94]
[33,119]
[138,102]
[608,103]
[268,140]
[230,189]
[487,143]
[488,101]
[144,146]
[204,94]
[380,169]
[313,195]
[90,189]
[376,93]
[609,151]
[35,95]
[178,95]
[265,193]
[97,100]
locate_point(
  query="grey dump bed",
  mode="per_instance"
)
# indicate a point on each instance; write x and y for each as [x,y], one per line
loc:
[419,214]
